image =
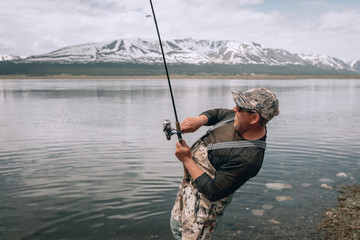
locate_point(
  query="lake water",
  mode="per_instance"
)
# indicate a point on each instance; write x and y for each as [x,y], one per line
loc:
[87,159]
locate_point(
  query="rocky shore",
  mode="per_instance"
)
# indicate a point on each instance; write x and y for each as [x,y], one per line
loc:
[343,221]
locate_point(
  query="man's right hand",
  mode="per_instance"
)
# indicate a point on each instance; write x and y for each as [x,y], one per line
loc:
[191,124]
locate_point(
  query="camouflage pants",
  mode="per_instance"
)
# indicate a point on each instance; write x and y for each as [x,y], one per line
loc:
[193,213]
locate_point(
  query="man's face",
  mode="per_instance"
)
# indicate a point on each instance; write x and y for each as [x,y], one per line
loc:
[242,119]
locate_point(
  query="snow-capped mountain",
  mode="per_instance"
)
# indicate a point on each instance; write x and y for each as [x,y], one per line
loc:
[9,57]
[324,61]
[186,51]
[355,64]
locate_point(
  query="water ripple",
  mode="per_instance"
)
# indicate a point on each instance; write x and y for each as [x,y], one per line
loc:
[88,160]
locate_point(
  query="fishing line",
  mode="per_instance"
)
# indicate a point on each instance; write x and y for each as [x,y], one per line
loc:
[178,131]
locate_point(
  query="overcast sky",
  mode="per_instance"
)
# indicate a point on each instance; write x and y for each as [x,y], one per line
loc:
[331,27]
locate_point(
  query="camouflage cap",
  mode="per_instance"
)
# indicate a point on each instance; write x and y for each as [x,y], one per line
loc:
[262,100]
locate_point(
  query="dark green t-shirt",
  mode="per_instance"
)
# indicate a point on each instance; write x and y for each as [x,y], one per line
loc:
[234,166]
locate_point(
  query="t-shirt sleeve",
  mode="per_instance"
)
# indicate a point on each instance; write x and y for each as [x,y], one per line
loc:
[216,115]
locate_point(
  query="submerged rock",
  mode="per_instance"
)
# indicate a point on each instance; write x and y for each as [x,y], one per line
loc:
[326,180]
[258,212]
[274,221]
[283,198]
[342,175]
[267,206]
[306,184]
[325,186]
[277,186]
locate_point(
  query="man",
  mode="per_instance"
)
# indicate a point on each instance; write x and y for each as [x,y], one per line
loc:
[221,161]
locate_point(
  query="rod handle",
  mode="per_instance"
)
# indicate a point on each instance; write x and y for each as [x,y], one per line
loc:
[178,132]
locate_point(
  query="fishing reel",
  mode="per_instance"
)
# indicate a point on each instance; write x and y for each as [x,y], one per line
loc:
[168,130]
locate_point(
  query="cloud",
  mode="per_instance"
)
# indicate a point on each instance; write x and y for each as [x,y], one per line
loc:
[347,21]
[313,3]
[216,20]
[39,26]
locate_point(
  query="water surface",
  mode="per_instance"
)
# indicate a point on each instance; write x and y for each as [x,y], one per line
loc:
[87,159]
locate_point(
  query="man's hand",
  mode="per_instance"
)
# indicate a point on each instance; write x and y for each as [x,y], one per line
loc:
[192,124]
[183,151]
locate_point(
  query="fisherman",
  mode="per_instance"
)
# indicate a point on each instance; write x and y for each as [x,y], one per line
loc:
[221,161]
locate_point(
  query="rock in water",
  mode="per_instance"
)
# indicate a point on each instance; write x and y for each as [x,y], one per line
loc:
[283,198]
[342,175]
[258,212]
[267,206]
[325,186]
[277,186]
[274,221]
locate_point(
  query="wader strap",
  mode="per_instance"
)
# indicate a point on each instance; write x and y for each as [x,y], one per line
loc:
[219,124]
[237,144]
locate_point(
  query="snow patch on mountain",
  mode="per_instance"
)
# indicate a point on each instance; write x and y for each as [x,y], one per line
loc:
[355,64]
[185,51]
[324,61]
[9,57]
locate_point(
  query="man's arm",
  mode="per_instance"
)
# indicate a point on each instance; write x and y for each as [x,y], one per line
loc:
[210,117]
[192,124]
[216,115]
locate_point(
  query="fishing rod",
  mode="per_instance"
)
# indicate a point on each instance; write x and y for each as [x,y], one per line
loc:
[167,124]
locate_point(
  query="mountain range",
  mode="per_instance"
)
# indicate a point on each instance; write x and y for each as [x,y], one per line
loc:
[190,53]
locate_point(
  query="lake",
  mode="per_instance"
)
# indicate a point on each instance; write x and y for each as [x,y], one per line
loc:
[87,159]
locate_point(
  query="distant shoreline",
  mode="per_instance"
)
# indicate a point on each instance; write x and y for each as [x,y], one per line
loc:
[260,77]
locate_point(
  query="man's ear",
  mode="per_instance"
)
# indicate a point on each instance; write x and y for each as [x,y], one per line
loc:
[255,118]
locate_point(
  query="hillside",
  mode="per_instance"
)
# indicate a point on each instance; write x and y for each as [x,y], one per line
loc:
[184,56]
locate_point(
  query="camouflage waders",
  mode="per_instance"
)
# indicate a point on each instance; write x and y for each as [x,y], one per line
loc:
[197,217]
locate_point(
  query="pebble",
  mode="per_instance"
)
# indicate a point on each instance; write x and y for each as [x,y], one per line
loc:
[306,184]
[283,198]
[267,206]
[277,186]
[326,180]
[274,221]
[325,186]
[329,213]
[258,212]
[342,175]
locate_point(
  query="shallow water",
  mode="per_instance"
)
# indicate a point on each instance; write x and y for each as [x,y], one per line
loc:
[87,159]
